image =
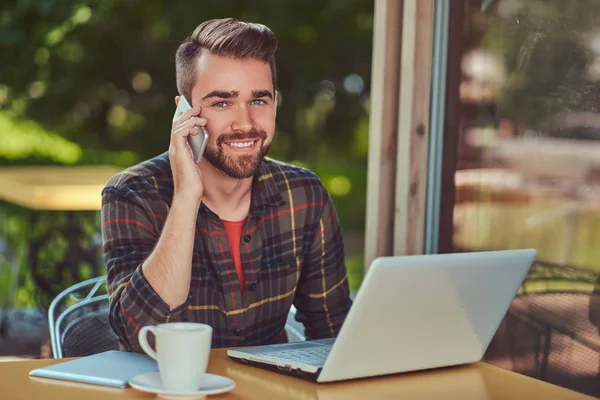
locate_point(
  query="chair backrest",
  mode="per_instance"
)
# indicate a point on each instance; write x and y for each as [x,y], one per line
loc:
[89,334]
[78,320]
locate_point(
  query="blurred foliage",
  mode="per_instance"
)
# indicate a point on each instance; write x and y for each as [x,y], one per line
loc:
[101,73]
[548,49]
[354,265]
[93,82]
[24,139]
[13,252]
[45,252]
[25,142]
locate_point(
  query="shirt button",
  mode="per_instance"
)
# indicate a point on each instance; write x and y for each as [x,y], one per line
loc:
[252,286]
[237,331]
[247,238]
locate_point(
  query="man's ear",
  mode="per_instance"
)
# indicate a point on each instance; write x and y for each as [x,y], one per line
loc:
[176,100]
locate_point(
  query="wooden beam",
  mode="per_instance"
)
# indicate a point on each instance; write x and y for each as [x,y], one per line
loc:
[413,126]
[383,129]
[55,187]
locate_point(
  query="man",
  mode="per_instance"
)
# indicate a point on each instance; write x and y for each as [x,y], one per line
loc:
[234,241]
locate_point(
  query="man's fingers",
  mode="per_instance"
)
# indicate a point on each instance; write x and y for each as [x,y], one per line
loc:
[195,121]
[193,131]
[189,128]
[184,116]
[179,138]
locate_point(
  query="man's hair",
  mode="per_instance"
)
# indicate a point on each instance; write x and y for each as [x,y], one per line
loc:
[226,37]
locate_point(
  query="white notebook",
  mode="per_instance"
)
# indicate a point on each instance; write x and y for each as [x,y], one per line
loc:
[111,368]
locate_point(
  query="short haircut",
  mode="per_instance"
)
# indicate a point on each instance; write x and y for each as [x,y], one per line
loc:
[225,37]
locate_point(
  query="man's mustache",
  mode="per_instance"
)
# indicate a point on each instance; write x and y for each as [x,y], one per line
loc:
[236,136]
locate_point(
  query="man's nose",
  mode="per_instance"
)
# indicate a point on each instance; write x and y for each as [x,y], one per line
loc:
[243,120]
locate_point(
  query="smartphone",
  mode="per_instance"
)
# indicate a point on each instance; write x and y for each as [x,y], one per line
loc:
[197,143]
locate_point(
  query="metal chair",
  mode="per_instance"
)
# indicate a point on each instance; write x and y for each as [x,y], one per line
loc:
[78,320]
[553,335]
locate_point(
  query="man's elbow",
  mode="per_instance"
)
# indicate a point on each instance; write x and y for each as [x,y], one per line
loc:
[128,336]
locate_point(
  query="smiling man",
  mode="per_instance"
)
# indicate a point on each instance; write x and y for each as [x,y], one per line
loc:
[237,239]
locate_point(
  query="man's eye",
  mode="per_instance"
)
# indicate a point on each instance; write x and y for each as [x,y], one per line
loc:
[258,102]
[220,104]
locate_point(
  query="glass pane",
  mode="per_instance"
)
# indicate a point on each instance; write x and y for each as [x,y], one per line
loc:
[528,175]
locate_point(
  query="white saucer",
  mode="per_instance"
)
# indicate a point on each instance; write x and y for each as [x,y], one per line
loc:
[151,383]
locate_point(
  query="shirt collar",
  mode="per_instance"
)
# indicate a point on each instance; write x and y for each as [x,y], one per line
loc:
[265,190]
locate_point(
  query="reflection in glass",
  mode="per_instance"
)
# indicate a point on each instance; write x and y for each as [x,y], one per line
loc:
[528,175]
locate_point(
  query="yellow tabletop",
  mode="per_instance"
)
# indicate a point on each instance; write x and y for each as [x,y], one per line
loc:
[476,381]
[55,188]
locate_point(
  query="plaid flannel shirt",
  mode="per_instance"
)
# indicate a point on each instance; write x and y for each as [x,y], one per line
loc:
[292,253]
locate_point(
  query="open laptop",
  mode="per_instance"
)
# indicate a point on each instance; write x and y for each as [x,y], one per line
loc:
[411,313]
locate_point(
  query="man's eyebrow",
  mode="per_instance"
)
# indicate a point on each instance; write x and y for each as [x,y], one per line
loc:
[223,94]
[262,93]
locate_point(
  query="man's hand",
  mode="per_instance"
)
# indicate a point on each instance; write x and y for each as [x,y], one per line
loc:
[168,267]
[187,178]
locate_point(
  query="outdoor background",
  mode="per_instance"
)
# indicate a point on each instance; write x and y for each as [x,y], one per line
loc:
[528,173]
[92,83]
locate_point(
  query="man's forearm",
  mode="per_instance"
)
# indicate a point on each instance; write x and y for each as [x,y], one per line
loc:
[168,268]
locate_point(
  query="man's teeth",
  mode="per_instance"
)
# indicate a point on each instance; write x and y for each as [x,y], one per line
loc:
[241,144]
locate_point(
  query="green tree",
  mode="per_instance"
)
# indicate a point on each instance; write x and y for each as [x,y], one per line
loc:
[101,73]
[547,51]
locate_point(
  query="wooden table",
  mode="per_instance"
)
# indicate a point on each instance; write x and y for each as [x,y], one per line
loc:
[55,188]
[476,381]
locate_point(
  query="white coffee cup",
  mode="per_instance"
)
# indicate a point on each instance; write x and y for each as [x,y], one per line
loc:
[182,352]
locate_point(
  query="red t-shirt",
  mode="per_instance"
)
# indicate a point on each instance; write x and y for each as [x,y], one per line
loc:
[234,237]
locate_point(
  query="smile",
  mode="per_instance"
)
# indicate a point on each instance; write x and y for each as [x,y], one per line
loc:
[242,145]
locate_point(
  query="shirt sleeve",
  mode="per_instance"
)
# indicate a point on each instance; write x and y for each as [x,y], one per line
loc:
[323,295]
[128,238]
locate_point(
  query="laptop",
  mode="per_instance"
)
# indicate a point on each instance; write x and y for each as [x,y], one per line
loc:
[411,313]
[110,368]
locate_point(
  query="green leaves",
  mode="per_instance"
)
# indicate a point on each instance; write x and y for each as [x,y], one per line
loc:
[548,49]
[101,73]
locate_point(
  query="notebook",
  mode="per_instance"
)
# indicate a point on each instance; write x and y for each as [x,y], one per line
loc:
[110,368]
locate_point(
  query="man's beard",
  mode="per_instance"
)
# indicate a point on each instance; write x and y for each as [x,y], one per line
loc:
[244,165]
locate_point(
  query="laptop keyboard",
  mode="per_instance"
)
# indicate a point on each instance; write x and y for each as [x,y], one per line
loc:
[314,356]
